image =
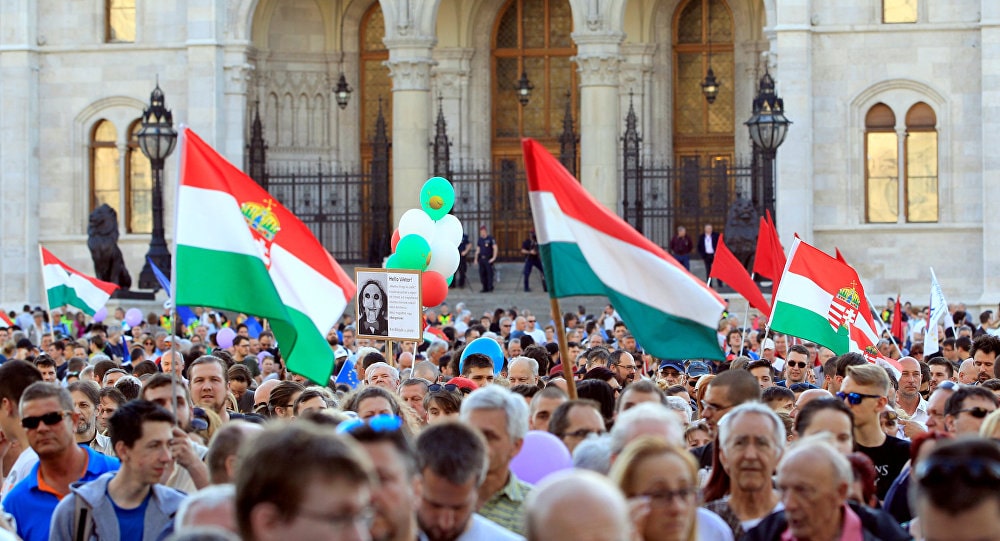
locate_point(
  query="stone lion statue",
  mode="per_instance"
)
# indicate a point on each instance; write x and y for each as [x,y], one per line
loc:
[741,231]
[102,239]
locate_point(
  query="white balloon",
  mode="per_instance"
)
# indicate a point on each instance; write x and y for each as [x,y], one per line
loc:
[416,222]
[444,257]
[449,227]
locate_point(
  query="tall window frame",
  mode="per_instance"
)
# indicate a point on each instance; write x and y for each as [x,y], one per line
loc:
[900,11]
[901,165]
[119,21]
[121,176]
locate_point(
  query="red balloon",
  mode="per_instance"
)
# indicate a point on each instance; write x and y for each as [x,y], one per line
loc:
[435,288]
[395,239]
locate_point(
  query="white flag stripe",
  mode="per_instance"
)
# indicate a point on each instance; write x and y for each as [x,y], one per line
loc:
[213,221]
[55,276]
[303,289]
[636,273]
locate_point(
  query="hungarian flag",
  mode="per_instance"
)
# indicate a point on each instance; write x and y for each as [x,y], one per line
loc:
[939,309]
[239,249]
[769,260]
[588,250]
[729,269]
[65,285]
[5,322]
[867,329]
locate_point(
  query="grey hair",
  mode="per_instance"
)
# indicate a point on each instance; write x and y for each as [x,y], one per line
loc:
[821,443]
[211,496]
[727,423]
[98,358]
[495,397]
[623,430]
[679,404]
[436,345]
[363,352]
[392,370]
[426,366]
[532,363]
[593,454]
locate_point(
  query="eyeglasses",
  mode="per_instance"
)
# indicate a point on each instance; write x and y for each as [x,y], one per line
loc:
[582,433]
[666,496]
[705,406]
[855,398]
[975,471]
[436,387]
[794,364]
[978,413]
[341,521]
[50,419]
[148,343]
[378,423]
[629,367]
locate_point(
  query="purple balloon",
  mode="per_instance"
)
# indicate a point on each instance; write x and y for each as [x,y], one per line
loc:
[541,455]
[225,338]
[133,317]
[101,314]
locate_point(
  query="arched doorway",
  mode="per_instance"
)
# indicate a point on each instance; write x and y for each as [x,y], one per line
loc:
[532,37]
[703,132]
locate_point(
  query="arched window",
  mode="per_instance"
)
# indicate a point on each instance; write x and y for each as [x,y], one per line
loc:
[882,165]
[921,164]
[119,22]
[105,167]
[533,37]
[138,186]
[899,11]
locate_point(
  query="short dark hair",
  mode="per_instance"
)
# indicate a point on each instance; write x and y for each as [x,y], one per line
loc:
[762,363]
[15,377]
[991,384]
[145,367]
[295,455]
[947,342]
[957,399]
[946,477]
[369,392]
[165,380]
[559,421]
[453,451]
[372,358]
[740,385]
[281,394]
[102,368]
[88,388]
[476,360]
[941,361]
[599,391]
[240,372]
[798,348]
[44,360]
[126,424]
[849,359]
[777,392]
[807,412]
[525,390]
[964,342]
[113,394]
[206,359]
[307,394]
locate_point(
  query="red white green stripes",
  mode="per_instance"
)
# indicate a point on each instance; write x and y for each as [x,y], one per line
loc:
[239,249]
[587,250]
[65,285]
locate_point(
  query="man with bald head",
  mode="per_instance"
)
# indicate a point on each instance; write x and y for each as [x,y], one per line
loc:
[908,396]
[263,394]
[968,373]
[578,505]
[808,396]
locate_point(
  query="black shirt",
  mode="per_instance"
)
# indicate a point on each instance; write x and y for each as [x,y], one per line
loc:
[530,245]
[486,246]
[889,459]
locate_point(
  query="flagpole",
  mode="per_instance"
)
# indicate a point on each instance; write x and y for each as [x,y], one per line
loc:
[48,309]
[175,373]
[568,365]
[746,316]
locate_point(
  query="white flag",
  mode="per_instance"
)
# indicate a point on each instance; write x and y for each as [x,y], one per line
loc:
[939,309]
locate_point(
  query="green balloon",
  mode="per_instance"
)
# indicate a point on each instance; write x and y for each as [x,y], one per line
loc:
[450,279]
[413,252]
[437,197]
[393,262]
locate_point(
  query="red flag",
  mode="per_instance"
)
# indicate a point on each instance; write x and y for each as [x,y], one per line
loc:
[770,259]
[729,269]
[897,322]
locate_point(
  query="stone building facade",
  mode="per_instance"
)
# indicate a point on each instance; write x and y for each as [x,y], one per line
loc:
[893,104]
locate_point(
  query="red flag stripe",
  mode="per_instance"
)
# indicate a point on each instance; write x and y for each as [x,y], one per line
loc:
[729,269]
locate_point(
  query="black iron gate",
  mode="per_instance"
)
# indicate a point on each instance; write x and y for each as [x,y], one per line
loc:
[348,211]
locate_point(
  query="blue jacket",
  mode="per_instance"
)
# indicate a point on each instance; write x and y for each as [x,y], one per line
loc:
[32,507]
[101,521]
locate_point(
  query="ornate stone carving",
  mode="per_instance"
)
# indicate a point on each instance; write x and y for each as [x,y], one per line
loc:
[238,76]
[410,73]
[598,69]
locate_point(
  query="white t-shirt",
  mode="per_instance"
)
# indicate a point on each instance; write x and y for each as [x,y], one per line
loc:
[711,527]
[19,471]
[484,529]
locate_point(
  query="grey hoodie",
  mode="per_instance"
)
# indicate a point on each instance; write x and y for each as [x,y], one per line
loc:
[103,523]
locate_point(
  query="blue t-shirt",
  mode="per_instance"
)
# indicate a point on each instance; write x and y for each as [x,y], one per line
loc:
[130,521]
[32,508]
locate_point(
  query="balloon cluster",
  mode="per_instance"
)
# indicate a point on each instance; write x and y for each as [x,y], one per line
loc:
[427,240]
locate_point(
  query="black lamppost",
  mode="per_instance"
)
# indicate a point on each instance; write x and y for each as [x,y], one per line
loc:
[768,128]
[156,139]
[342,92]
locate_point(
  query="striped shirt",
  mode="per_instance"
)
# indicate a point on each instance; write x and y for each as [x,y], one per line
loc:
[506,506]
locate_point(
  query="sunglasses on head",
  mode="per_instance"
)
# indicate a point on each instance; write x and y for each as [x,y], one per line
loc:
[794,364]
[378,423]
[948,385]
[50,419]
[855,398]
[450,387]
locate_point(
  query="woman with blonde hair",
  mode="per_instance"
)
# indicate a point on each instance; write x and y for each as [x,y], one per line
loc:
[990,429]
[666,476]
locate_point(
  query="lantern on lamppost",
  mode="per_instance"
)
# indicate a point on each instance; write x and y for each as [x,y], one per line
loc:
[524,88]
[768,128]
[156,139]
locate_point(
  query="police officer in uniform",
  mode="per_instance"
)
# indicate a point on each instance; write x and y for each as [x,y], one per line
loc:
[486,254]
[529,248]
[463,264]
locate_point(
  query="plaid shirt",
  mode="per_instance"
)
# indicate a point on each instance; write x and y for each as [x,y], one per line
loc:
[506,506]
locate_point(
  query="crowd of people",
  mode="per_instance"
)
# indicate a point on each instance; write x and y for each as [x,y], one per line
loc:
[155,431]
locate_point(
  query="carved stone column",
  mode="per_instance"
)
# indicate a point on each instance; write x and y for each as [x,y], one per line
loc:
[598,61]
[410,68]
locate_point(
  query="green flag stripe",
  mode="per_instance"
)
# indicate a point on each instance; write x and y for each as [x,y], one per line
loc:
[661,334]
[62,295]
[806,324]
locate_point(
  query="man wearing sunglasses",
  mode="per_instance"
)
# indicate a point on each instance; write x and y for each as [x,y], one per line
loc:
[15,377]
[797,365]
[966,408]
[49,420]
[865,390]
